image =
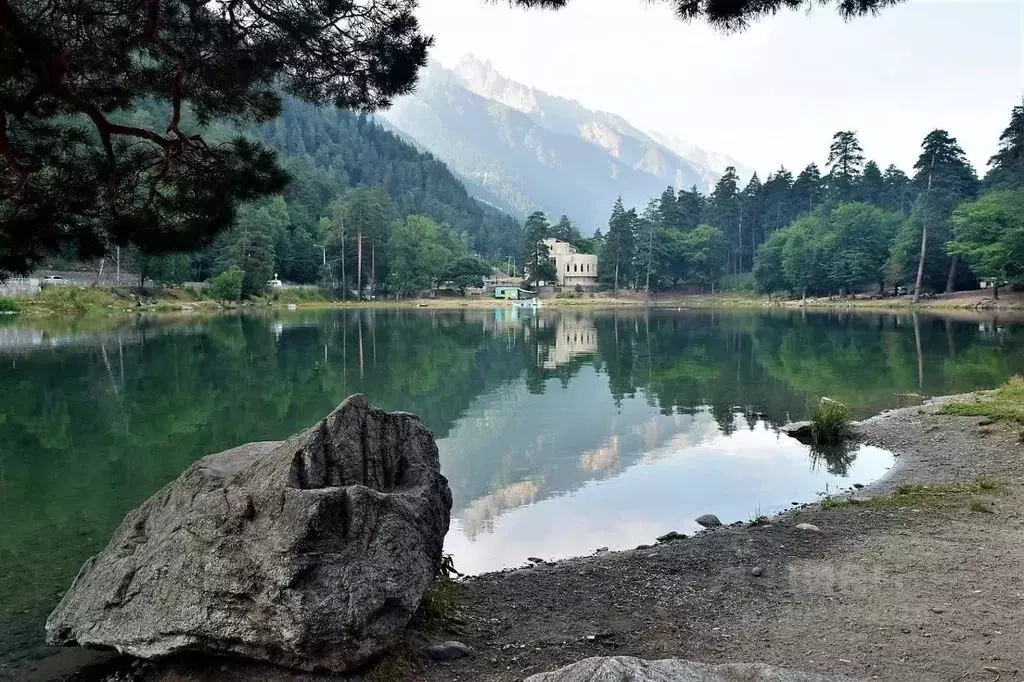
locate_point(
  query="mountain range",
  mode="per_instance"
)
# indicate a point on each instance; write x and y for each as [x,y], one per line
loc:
[522,149]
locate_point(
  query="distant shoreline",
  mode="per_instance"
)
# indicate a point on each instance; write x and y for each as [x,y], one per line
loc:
[78,302]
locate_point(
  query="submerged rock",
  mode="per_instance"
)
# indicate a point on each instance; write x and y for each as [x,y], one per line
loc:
[621,668]
[708,521]
[312,553]
[802,431]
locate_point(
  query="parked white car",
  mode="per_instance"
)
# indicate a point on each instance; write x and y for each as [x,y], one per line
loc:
[53,279]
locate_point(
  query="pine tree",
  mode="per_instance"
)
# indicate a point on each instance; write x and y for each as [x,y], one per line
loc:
[536,259]
[872,189]
[1006,167]
[778,210]
[723,212]
[807,191]
[845,163]
[669,212]
[690,208]
[899,192]
[619,245]
[943,178]
[751,209]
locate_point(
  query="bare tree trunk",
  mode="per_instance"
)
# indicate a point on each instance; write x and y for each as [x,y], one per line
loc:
[117,278]
[615,290]
[99,273]
[951,280]
[924,237]
[359,266]
[650,256]
[373,269]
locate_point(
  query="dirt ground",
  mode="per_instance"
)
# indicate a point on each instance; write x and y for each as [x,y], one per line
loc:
[928,590]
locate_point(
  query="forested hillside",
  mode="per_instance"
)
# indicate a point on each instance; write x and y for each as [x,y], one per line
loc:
[852,227]
[352,183]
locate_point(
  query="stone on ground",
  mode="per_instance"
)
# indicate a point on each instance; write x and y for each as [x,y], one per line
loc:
[447,651]
[312,553]
[629,669]
[708,520]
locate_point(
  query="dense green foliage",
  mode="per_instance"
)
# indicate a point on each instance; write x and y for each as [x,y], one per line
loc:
[830,422]
[990,237]
[75,174]
[855,229]
[227,286]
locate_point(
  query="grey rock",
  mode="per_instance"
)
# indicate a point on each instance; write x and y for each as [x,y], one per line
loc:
[858,486]
[757,571]
[803,431]
[859,499]
[708,520]
[670,536]
[601,550]
[313,553]
[808,526]
[447,651]
[629,669]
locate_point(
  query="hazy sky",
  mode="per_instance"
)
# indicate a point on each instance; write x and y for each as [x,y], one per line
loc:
[774,94]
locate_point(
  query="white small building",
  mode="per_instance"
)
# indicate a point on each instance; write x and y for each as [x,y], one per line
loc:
[571,267]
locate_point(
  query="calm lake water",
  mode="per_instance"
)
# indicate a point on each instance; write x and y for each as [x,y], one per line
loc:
[559,432]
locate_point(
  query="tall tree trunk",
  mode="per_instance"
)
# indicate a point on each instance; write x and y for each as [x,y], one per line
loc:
[117,277]
[650,256]
[344,284]
[951,280]
[924,236]
[359,267]
[615,289]
[373,268]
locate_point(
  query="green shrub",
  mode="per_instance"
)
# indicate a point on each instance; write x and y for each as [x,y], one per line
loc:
[71,300]
[830,422]
[227,286]
[9,305]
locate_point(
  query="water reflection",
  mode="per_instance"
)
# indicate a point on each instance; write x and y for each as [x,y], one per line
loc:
[559,432]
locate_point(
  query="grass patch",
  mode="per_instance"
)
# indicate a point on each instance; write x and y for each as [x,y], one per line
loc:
[441,600]
[830,422]
[931,495]
[9,305]
[1005,403]
[296,295]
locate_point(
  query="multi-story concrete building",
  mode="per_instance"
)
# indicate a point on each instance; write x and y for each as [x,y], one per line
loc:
[572,268]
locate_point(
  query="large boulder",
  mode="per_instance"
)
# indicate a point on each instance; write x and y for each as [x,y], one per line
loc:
[312,553]
[629,669]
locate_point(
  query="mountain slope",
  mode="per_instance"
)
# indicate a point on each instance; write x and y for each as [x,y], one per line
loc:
[328,150]
[521,148]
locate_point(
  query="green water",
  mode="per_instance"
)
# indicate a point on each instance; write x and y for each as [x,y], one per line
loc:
[559,432]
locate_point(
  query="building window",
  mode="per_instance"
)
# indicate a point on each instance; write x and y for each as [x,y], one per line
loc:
[567,267]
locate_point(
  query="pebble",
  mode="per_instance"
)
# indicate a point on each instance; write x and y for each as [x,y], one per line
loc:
[936,609]
[601,550]
[756,571]
[858,486]
[536,560]
[808,526]
[708,520]
[670,536]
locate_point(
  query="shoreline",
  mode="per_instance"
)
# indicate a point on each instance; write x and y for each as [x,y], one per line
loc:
[101,307]
[879,590]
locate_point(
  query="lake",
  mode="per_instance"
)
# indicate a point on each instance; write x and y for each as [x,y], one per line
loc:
[560,432]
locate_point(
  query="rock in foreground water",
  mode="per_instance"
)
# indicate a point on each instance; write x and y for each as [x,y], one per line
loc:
[312,553]
[623,668]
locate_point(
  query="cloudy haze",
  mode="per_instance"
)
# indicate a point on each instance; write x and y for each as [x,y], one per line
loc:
[774,94]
